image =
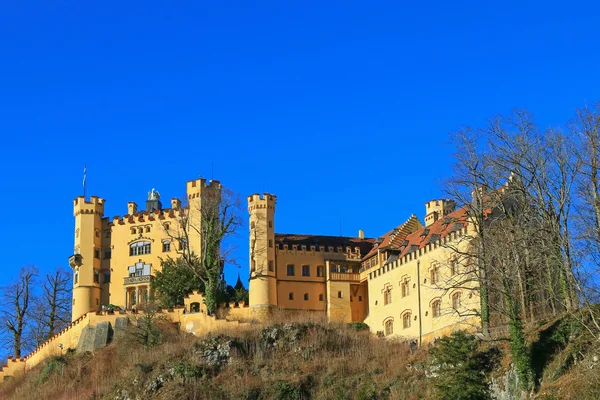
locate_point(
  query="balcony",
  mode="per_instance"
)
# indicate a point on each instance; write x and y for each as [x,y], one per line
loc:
[134,280]
[75,260]
[344,276]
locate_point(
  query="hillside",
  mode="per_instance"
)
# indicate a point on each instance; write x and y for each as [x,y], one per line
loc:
[301,359]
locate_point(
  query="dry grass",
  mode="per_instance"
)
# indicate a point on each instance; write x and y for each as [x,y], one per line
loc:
[328,362]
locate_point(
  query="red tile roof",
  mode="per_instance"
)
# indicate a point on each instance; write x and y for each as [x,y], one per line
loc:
[438,230]
[394,238]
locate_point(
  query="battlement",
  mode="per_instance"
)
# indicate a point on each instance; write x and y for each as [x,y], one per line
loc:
[257,201]
[145,216]
[94,206]
[195,187]
[262,197]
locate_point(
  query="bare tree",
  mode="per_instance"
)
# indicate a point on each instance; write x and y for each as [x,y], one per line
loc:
[52,309]
[206,223]
[17,298]
[516,183]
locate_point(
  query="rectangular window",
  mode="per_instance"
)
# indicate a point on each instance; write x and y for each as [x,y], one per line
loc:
[320,270]
[139,248]
[305,270]
[96,253]
[270,224]
[271,266]
[96,277]
[305,296]
[387,296]
[107,253]
[290,270]
[106,276]
[321,297]
[270,243]
[291,296]
[339,295]
[76,277]
[166,246]
[453,267]
[434,271]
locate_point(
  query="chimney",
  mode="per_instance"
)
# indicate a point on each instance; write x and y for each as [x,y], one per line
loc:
[361,234]
[131,208]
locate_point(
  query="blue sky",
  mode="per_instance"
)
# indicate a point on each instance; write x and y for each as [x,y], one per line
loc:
[341,109]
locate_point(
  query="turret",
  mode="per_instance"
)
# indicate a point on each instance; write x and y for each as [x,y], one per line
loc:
[201,198]
[436,209]
[85,260]
[263,274]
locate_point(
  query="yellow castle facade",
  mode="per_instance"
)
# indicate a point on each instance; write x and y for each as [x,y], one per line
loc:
[396,283]
[409,282]
[116,258]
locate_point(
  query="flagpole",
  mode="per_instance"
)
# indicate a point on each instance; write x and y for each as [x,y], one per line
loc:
[84,177]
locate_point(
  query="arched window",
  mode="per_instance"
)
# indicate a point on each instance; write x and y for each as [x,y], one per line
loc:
[389,327]
[436,308]
[139,248]
[406,320]
[133,231]
[140,230]
[148,229]
[183,244]
[456,301]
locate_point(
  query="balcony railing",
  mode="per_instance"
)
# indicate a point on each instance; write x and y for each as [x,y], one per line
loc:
[138,279]
[344,276]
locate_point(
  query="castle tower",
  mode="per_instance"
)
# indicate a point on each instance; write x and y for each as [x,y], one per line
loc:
[436,209]
[87,252]
[263,274]
[202,198]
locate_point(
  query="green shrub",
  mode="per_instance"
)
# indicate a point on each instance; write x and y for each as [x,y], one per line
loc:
[461,369]
[358,326]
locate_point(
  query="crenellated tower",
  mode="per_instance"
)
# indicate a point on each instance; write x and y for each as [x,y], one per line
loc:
[202,199]
[436,209]
[263,274]
[86,261]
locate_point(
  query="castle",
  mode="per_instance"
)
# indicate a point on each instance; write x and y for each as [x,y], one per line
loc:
[115,259]
[401,284]
[396,283]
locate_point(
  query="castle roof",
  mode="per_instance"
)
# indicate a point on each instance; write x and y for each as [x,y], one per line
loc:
[455,221]
[326,241]
[395,238]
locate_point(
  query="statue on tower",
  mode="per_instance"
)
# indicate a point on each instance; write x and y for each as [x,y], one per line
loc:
[153,202]
[153,195]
